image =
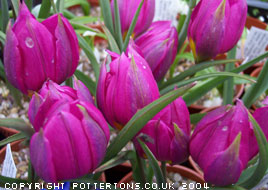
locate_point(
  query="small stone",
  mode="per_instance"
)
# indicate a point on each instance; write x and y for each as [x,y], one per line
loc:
[177,177]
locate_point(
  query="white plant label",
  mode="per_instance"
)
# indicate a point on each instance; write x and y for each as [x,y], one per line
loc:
[9,167]
[169,9]
[256,43]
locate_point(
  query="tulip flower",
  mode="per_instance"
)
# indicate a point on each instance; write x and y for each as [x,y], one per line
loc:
[215,27]
[167,135]
[159,47]
[35,52]
[126,87]
[221,145]
[51,98]
[71,135]
[127,10]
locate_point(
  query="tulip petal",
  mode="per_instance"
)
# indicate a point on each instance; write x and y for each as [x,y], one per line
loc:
[41,157]
[227,164]
[71,153]
[34,106]
[12,61]
[83,93]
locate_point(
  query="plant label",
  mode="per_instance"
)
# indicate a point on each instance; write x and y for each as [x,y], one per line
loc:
[9,167]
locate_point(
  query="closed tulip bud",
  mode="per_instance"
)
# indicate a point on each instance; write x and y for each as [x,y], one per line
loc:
[35,52]
[127,10]
[72,142]
[159,47]
[125,88]
[167,135]
[51,98]
[215,27]
[220,144]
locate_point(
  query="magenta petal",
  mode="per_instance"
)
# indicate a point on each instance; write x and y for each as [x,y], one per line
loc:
[34,106]
[12,61]
[226,168]
[36,47]
[83,93]
[71,153]
[41,157]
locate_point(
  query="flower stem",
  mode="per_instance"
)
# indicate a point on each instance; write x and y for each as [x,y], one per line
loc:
[164,169]
[54,6]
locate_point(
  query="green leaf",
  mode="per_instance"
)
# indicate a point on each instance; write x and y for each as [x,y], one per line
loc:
[15,4]
[228,86]
[194,69]
[204,76]
[90,84]
[183,33]
[4,15]
[13,138]
[117,26]
[195,118]
[246,174]
[254,92]
[18,124]
[119,159]
[111,40]
[154,163]
[2,37]
[201,90]
[60,6]
[90,55]
[29,4]
[132,26]
[181,22]
[44,9]
[262,166]
[83,3]
[140,119]
[107,15]
[85,19]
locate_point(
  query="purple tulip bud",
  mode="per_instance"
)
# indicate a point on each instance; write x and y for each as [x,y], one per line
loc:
[127,10]
[37,51]
[215,27]
[52,98]
[220,144]
[125,88]
[71,144]
[167,134]
[159,47]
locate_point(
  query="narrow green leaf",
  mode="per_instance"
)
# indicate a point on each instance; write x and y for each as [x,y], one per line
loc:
[119,159]
[44,9]
[228,86]
[29,4]
[194,69]
[2,71]
[13,138]
[107,15]
[181,23]
[4,15]
[195,118]
[83,3]
[15,4]
[90,84]
[117,26]
[60,6]
[4,180]
[262,166]
[254,92]
[132,26]
[2,37]
[183,33]
[154,163]
[201,90]
[111,40]
[18,124]
[90,55]
[85,19]
[246,174]
[140,119]
[205,76]
[68,14]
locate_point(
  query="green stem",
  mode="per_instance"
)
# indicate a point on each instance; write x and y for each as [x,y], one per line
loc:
[183,33]
[54,6]
[69,82]
[164,169]
[141,166]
